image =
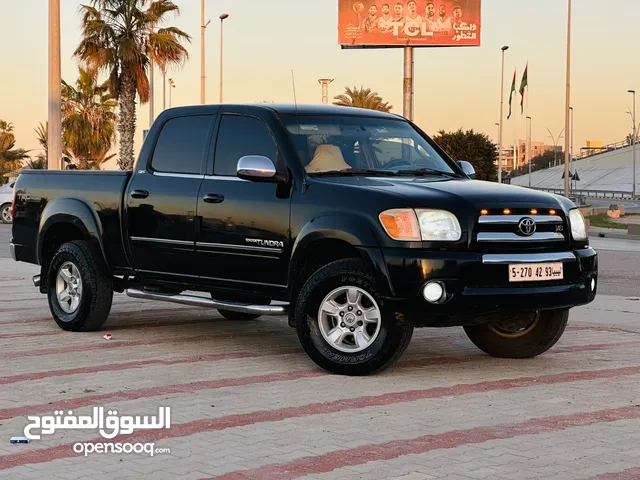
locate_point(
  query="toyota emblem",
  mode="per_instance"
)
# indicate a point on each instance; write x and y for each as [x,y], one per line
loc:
[527,226]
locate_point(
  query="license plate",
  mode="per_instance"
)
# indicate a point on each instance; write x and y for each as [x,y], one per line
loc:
[535,272]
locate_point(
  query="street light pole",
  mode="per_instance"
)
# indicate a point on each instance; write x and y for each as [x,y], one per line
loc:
[501,117]
[203,27]
[54,136]
[571,153]
[635,140]
[222,18]
[567,104]
[528,147]
[172,85]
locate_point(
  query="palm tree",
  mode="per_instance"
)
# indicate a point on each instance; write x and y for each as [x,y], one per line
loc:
[362,98]
[88,120]
[119,37]
[10,157]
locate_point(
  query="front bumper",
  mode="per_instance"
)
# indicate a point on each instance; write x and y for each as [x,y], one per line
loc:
[477,284]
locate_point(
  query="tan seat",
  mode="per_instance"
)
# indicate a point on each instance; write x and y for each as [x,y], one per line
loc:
[326,158]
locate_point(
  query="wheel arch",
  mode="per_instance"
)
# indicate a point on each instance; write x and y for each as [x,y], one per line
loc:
[64,220]
[330,238]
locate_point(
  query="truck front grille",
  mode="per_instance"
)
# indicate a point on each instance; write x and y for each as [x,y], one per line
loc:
[520,230]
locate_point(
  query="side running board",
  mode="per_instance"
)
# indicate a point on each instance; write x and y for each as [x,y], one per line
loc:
[210,303]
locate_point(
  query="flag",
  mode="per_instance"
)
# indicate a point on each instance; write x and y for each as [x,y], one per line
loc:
[513,89]
[523,83]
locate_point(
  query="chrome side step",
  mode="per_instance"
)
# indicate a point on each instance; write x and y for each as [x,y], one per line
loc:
[210,303]
[36,280]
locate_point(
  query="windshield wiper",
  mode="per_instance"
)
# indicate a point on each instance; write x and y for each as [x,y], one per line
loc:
[355,171]
[426,171]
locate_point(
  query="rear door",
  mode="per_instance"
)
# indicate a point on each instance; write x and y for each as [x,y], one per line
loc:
[162,196]
[244,238]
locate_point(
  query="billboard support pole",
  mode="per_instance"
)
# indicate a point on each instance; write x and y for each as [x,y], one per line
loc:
[407,110]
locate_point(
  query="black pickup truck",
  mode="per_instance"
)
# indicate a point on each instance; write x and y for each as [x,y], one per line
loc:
[351,222]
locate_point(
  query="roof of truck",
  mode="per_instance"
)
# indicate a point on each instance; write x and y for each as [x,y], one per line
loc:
[300,109]
[315,109]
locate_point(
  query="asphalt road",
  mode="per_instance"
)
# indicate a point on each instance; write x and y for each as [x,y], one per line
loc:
[619,262]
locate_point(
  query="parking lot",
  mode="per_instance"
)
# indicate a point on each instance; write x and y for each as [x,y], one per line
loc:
[246,401]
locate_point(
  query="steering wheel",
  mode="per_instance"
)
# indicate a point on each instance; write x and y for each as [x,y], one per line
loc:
[395,163]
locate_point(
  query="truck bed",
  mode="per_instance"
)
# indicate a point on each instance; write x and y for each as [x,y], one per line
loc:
[102,191]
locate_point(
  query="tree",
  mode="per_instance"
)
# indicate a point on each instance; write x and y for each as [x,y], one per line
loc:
[475,148]
[119,37]
[362,98]
[10,157]
[540,162]
[88,121]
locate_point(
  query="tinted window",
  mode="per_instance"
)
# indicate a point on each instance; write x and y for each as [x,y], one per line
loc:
[181,145]
[240,136]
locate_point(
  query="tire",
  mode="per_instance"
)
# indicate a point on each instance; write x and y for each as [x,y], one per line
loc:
[93,304]
[5,213]
[231,315]
[539,331]
[388,337]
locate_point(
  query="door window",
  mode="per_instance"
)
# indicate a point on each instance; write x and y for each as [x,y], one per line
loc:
[240,136]
[181,145]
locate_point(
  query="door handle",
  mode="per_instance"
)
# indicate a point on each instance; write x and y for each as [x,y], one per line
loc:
[139,194]
[213,198]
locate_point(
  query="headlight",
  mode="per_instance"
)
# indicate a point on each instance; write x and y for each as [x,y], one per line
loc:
[578,227]
[421,224]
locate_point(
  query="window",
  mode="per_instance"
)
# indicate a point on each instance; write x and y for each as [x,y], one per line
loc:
[240,136]
[181,145]
[333,143]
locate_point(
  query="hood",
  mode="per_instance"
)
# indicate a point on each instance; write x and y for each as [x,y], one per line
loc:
[436,191]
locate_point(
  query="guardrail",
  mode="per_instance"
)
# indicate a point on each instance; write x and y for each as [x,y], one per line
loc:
[589,193]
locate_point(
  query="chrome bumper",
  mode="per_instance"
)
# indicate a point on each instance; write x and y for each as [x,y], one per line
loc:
[12,249]
[508,258]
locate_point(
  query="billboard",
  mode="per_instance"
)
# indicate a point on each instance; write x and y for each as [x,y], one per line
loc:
[408,23]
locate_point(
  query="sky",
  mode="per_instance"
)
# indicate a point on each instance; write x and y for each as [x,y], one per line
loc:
[454,87]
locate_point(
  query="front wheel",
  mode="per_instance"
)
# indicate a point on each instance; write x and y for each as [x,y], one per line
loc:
[342,323]
[523,336]
[5,213]
[79,290]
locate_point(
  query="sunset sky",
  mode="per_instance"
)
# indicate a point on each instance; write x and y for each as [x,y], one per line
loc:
[455,87]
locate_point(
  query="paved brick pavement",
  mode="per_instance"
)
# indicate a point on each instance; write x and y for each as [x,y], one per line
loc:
[246,402]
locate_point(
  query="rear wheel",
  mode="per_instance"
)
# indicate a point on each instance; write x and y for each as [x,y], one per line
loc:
[79,289]
[342,323]
[5,213]
[522,336]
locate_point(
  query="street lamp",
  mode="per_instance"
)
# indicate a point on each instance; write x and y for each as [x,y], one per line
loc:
[555,145]
[222,18]
[172,84]
[506,47]
[635,140]
[528,147]
[203,27]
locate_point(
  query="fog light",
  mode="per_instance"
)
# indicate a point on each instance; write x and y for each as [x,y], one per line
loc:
[593,284]
[433,292]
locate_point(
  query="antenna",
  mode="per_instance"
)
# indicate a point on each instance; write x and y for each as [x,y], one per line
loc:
[295,101]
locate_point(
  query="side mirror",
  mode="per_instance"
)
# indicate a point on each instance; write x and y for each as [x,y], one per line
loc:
[467,168]
[256,168]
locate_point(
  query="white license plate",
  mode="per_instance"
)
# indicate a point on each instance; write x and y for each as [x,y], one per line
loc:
[535,272]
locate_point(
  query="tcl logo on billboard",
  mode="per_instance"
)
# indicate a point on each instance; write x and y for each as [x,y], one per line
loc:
[401,23]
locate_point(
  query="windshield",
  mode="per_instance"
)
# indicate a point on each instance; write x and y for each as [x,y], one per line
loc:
[340,144]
